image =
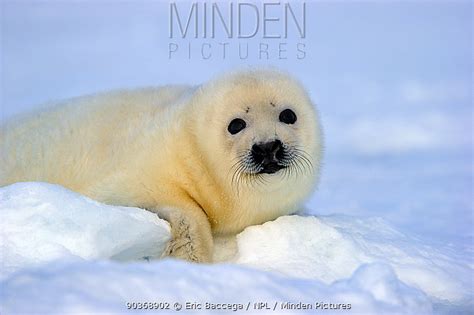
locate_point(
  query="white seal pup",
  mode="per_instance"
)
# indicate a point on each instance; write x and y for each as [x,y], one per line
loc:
[239,150]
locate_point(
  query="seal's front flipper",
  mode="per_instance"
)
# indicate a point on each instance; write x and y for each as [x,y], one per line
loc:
[191,234]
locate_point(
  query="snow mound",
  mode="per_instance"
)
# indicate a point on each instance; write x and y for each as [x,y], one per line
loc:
[57,248]
[42,222]
[97,287]
[331,248]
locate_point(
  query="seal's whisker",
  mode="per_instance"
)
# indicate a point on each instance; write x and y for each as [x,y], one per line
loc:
[246,172]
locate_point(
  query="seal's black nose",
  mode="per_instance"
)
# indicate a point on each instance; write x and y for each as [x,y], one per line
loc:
[268,155]
[267,149]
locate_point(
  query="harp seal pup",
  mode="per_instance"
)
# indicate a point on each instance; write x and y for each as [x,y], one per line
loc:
[239,150]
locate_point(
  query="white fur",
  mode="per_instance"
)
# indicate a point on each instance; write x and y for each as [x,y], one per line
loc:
[168,150]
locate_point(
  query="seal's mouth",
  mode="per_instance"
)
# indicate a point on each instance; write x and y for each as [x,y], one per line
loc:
[271,168]
[264,159]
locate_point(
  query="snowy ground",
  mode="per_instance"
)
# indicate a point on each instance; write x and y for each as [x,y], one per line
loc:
[64,253]
[393,84]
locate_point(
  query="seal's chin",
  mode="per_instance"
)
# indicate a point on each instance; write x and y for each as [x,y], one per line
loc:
[271,168]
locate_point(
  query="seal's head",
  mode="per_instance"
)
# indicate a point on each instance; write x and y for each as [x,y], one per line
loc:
[263,136]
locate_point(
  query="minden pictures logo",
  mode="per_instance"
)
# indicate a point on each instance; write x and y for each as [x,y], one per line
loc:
[237,30]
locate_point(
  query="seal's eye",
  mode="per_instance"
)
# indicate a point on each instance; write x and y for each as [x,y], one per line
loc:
[288,116]
[236,126]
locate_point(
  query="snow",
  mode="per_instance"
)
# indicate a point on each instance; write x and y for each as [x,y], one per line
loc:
[64,253]
[42,222]
[108,286]
[333,247]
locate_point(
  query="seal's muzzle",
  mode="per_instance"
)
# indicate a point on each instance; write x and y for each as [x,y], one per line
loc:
[268,156]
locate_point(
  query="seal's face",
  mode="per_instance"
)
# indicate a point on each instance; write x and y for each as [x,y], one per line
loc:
[261,133]
[268,131]
[267,143]
[267,155]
